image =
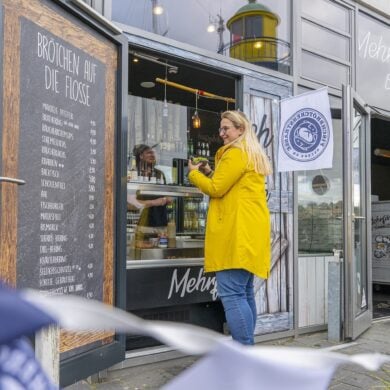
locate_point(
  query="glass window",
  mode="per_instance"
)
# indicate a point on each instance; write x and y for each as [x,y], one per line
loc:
[358,178]
[320,204]
[165,135]
[324,41]
[161,204]
[237,31]
[96,4]
[329,13]
[253,27]
[189,21]
[373,61]
[323,70]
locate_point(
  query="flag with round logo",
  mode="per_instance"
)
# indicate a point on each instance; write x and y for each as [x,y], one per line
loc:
[306,133]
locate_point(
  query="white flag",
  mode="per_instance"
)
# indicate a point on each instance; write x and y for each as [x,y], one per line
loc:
[306,133]
[226,365]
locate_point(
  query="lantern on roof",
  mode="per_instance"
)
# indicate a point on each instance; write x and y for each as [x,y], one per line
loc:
[253,35]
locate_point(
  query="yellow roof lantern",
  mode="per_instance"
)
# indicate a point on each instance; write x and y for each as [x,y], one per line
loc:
[253,9]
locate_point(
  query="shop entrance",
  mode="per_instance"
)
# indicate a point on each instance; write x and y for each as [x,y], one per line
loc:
[380,196]
[357,233]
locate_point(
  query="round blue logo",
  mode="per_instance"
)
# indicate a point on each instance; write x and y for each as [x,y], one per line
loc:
[305,135]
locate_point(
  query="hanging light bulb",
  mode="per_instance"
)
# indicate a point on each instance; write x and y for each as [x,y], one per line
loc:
[211,28]
[195,118]
[157,9]
[212,25]
[165,108]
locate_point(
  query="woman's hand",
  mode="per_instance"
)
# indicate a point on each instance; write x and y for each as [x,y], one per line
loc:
[205,169]
[162,201]
[192,166]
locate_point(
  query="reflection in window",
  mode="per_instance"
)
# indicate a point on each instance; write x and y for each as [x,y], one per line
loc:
[320,184]
[253,27]
[358,180]
[187,21]
[329,13]
[237,31]
[97,5]
[167,136]
[372,61]
[324,41]
[324,70]
[320,204]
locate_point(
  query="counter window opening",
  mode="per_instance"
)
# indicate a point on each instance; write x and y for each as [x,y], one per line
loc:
[161,138]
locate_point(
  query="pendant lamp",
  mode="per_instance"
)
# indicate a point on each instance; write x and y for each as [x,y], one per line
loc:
[195,118]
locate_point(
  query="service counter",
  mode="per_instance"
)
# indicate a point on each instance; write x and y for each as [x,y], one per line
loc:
[165,278]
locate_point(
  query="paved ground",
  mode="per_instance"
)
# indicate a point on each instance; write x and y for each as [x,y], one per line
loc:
[153,376]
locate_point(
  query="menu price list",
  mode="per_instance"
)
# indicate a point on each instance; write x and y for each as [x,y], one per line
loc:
[60,219]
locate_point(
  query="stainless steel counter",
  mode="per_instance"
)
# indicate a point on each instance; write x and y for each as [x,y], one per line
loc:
[164,254]
[142,189]
[164,263]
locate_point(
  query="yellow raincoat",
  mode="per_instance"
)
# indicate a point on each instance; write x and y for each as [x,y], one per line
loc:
[238,222]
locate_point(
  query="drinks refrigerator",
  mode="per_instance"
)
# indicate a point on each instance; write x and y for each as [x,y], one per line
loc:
[187,213]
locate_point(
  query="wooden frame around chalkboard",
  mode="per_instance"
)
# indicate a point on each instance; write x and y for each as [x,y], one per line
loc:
[79,30]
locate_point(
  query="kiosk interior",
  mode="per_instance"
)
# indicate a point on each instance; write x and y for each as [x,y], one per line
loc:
[380,173]
[165,215]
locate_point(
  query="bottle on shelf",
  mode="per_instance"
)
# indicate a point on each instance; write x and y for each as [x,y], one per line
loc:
[203,149]
[133,170]
[153,178]
[187,221]
[159,178]
[128,167]
[207,149]
[144,172]
[198,148]
[194,221]
[163,240]
[190,147]
[171,232]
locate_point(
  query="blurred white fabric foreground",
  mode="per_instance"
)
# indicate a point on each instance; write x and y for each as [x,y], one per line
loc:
[232,366]
[226,365]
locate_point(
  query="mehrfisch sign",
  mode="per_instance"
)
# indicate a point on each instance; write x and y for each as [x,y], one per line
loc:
[373,61]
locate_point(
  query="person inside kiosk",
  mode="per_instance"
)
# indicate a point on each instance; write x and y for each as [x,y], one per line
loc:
[154,211]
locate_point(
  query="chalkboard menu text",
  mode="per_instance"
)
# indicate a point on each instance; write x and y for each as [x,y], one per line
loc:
[60,218]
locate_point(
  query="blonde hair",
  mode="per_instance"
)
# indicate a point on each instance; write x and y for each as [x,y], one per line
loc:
[248,142]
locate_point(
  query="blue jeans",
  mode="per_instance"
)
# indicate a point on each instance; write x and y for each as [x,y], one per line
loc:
[235,289]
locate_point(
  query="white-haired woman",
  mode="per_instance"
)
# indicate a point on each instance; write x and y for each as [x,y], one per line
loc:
[237,244]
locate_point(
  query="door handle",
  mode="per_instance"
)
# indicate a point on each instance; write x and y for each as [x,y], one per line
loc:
[354,217]
[11,180]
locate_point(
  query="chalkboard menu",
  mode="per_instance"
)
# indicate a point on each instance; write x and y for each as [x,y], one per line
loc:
[59,90]
[62,133]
